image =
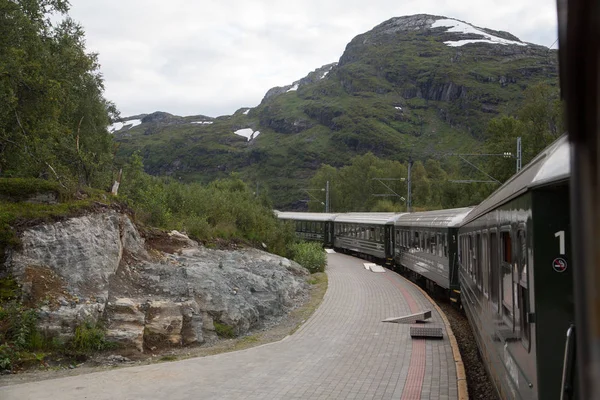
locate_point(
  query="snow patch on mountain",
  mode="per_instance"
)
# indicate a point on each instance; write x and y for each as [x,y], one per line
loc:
[461,27]
[117,126]
[202,122]
[295,87]
[248,133]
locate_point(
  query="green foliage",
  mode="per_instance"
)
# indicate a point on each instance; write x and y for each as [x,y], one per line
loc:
[225,208]
[387,206]
[89,337]
[224,330]
[539,121]
[20,188]
[310,255]
[9,289]
[53,117]
[18,333]
[317,278]
[13,213]
[354,186]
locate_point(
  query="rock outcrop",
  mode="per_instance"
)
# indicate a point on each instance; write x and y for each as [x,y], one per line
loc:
[98,268]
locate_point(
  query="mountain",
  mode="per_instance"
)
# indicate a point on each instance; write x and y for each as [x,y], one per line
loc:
[413,86]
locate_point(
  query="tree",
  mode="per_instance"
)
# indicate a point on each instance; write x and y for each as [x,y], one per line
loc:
[53,115]
[538,122]
[421,190]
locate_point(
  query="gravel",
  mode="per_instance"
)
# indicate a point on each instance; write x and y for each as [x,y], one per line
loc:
[478,381]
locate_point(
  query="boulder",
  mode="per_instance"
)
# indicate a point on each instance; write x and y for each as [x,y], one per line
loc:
[98,268]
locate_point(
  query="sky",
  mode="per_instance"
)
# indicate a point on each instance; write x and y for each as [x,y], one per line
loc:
[213,57]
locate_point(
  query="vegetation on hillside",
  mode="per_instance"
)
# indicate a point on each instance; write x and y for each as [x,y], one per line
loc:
[400,96]
[225,208]
[359,185]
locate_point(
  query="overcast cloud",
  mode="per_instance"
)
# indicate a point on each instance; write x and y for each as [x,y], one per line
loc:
[213,57]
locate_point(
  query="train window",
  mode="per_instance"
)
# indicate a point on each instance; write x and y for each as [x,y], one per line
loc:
[494,270]
[440,246]
[522,258]
[445,238]
[485,263]
[479,262]
[506,247]
[522,289]
[507,279]
[426,242]
[461,251]
[469,255]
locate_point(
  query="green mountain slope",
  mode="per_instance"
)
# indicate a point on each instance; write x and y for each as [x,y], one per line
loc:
[410,87]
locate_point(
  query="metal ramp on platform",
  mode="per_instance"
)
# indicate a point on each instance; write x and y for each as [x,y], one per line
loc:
[373,267]
[426,331]
[410,319]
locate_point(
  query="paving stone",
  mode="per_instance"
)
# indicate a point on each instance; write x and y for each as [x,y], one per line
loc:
[342,351]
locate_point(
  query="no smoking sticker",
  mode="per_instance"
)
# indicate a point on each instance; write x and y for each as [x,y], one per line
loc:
[559,265]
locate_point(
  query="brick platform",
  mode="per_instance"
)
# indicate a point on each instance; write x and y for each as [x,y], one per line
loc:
[344,351]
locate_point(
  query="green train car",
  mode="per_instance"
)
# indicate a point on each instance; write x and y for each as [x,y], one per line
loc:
[312,227]
[516,278]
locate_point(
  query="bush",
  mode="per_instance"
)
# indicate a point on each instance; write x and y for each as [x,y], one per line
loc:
[18,334]
[89,337]
[225,208]
[224,330]
[310,255]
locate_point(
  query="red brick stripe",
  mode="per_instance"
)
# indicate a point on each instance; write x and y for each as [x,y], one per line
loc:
[416,369]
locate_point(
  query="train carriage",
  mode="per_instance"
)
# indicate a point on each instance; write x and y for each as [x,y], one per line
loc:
[369,234]
[315,227]
[426,245]
[516,277]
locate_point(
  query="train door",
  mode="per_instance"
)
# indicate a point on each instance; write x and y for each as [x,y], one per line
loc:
[389,243]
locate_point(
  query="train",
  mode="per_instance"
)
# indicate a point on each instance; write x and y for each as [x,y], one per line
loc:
[506,262]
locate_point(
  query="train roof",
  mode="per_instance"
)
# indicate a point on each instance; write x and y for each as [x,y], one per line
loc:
[305,216]
[438,218]
[551,166]
[368,218]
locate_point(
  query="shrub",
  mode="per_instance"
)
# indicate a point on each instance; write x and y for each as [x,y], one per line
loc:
[224,330]
[310,255]
[89,337]
[18,333]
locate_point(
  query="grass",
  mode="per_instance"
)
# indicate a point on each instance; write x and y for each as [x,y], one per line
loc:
[16,188]
[19,213]
[224,330]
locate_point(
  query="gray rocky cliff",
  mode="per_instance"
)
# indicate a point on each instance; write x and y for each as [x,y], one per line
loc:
[99,268]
